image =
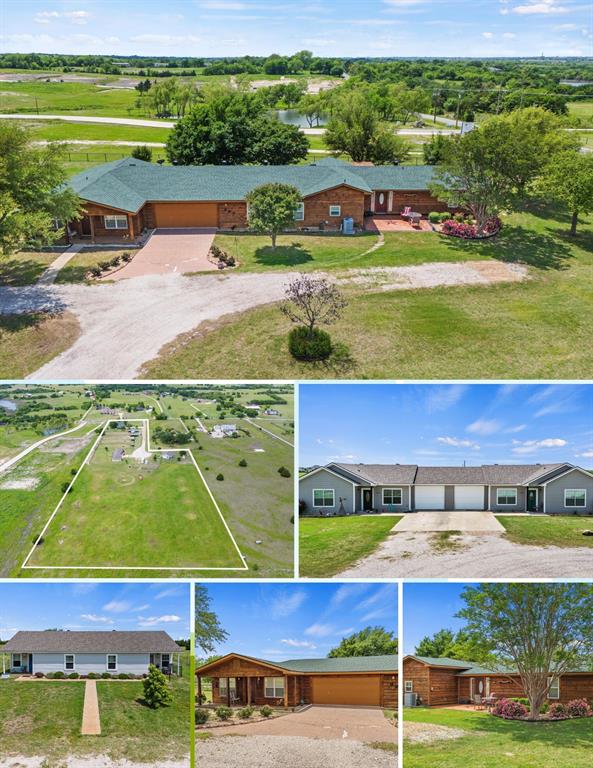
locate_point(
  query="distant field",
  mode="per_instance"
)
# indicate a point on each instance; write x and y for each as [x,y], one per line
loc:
[583,110]
[56,130]
[68,98]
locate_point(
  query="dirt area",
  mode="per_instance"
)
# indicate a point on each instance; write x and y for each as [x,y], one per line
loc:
[68,446]
[155,309]
[415,555]
[288,752]
[96,761]
[426,733]
[24,484]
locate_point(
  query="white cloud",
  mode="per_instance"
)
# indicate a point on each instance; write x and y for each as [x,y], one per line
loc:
[165,39]
[346,591]
[298,643]
[514,430]
[76,17]
[530,446]
[320,630]
[483,427]
[117,606]
[455,442]
[96,619]
[385,595]
[586,454]
[441,398]
[224,5]
[488,35]
[565,27]
[286,603]
[151,621]
[509,35]
[543,6]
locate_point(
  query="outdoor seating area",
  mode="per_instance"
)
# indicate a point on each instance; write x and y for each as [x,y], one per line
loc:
[398,223]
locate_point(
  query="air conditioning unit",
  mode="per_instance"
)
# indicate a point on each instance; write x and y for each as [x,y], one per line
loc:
[410,699]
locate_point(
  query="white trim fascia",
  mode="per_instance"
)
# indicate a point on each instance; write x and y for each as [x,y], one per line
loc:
[568,471]
[331,471]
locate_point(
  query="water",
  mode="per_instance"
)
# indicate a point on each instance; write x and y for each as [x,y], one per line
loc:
[576,83]
[8,405]
[294,117]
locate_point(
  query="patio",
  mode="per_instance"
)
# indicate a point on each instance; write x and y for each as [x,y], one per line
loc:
[395,223]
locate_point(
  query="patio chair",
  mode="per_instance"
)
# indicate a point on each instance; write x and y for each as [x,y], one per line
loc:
[478,701]
[406,212]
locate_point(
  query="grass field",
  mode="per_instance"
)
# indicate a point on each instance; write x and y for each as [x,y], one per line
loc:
[44,719]
[328,546]
[548,531]
[56,130]
[67,99]
[490,741]
[538,328]
[583,110]
[126,514]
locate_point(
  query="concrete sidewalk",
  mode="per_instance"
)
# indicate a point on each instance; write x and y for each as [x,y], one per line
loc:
[464,521]
[91,721]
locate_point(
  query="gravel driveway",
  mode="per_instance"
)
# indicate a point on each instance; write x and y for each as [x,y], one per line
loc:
[414,555]
[125,324]
[96,761]
[289,752]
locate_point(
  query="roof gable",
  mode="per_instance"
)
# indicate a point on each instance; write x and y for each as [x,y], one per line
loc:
[343,665]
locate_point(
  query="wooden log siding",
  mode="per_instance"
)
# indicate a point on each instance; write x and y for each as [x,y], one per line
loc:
[389,691]
[443,686]
[419,674]
[317,206]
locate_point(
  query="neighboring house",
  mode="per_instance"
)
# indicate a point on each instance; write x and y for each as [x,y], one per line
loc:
[271,412]
[442,682]
[123,198]
[118,454]
[369,681]
[223,430]
[168,455]
[84,652]
[553,489]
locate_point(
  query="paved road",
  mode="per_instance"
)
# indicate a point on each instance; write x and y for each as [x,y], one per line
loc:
[92,119]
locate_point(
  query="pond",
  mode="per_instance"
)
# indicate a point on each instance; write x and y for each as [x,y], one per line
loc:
[8,405]
[294,117]
[576,83]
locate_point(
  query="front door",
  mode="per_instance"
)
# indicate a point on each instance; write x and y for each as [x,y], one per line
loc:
[381,202]
[367,499]
[30,663]
[532,499]
[85,226]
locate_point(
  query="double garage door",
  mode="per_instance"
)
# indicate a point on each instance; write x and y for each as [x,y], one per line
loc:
[361,690]
[184,215]
[433,497]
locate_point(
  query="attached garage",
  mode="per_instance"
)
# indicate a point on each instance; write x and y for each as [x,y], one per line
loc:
[430,497]
[469,497]
[184,215]
[361,690]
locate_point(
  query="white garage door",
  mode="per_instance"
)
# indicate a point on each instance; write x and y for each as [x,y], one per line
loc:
[430,497]
[469,497]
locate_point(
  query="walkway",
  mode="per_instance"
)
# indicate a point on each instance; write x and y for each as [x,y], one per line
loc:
[51,273]
[91,720]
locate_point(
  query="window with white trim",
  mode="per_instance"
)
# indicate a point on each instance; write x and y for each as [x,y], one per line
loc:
[299,212]
[274,687]
[69,661]
[115,222]
[165,660]
[408,686]
[17,660]
[575,497]
[554,690]
[506,496]
[111,662]
[392,495]
[335,210]
[324,497]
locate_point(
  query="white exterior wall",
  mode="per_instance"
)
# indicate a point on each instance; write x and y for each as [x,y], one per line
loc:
[130,663]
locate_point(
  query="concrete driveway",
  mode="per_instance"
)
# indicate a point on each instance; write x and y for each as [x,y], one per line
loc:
[170,251]
[464,521]
[354,723]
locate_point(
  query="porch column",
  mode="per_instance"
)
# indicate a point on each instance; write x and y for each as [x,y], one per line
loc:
[373,202]
[390,201]
[199,690]
[248,691]
[92,223]
[228,691]
[285,691]
[178,664]
[131,226]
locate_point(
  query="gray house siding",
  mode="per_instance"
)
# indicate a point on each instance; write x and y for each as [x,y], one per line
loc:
[403,507]
[321,480]
[131,663]
[518,507]
[555,494]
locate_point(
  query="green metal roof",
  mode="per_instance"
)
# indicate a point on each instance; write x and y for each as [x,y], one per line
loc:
[444,662]
[129,183]
[341,664]
[470,668]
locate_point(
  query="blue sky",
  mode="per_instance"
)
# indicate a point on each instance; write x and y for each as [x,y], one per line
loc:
[95,606]
[279,621]
[428,608]
[326,27]
[446,424]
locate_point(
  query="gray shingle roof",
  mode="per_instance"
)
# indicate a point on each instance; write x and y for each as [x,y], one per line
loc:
[341,664]
[91,642]
[129,183]
[452,475]
[382,474]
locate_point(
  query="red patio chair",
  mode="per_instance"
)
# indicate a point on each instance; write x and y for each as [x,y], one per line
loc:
[406,212]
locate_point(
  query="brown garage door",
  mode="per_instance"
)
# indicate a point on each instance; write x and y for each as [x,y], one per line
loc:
[186,214]
[357,689]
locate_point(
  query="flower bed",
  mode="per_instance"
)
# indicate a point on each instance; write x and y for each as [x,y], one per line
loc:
[469,231]
[511,709]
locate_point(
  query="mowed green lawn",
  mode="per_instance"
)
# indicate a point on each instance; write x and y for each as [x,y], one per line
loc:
[491,742]
[56,130]
[44,719]
[125,514]
[68,98]
[538,328]
[329,545]
[548,531]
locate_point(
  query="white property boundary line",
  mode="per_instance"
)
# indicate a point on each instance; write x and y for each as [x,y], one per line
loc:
[85,462]
[263,429]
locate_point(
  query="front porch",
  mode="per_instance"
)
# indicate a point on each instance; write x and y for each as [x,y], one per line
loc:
[253,690]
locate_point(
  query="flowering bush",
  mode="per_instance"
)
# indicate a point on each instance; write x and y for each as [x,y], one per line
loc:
[557,711]
[509,710]
[579,708]
[467,231]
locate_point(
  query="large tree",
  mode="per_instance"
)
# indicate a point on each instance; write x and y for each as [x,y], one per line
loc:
[455,645]
[355,129]
[568,179]
[541,630]
[370,641]
[271,208]
[276,143]
[208,629]
[33,194]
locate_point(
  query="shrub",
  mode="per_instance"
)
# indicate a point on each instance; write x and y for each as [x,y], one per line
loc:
[434,217]
[266,711]
[142,153]
[73,676]
[96,271]
[104,265]
[220,476]
[156,690]
[223,713]
[302,506]
[125,257]
[520,700]
[509,710]
[106,675]
[59,675]
[202,716]
[309,346]
[123,676]
[245,713]
[114,262]
[579,708]
[92,676]
[284,472]
[557,711]
[39,674]
[243,463]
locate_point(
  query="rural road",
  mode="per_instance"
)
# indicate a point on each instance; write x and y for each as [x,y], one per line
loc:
[125,324]
[15,459]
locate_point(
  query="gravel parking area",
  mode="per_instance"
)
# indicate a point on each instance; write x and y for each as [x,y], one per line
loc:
[95,761]
[289,752]
[426,733]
